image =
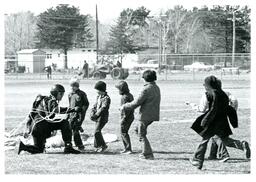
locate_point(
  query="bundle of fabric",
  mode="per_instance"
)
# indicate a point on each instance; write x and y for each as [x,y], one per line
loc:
[12,139]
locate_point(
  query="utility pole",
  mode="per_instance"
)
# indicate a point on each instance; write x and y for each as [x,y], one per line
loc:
[97,36]
[234,39]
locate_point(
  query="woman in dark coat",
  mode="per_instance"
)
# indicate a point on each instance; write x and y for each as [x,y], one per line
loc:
[214,121]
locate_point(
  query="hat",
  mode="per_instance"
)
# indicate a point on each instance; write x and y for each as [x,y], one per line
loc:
[74,82]
[101,86]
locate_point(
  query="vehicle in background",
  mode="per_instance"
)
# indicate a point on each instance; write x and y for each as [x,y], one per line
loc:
[198,66]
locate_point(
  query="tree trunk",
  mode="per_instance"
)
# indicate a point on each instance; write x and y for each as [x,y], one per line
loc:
[65,59]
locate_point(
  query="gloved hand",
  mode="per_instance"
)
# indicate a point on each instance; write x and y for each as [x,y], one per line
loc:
[25,134]
[70,110]
[94,117]
[77,109]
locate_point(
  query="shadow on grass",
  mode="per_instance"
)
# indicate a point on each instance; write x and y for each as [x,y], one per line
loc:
[171,152]
[233,160]
[228,171]
[237,160]
[173,158]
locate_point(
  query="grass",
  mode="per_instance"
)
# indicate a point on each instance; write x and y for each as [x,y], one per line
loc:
[173,141]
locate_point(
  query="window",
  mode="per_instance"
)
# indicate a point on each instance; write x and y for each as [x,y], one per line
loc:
[48,56]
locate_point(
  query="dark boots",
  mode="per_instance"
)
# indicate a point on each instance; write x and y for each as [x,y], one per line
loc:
[70,150]
[29,148]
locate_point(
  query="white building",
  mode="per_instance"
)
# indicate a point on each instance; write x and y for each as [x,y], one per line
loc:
[32,59]
[75,57]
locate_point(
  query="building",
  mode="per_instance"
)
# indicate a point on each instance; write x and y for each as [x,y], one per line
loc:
[75,57]
[32,59]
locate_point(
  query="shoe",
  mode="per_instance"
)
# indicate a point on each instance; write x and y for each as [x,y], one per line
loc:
[126,152]
[102,149]
[197,164]
[123,151]
[247,149]
[81,147]
[224,159]
[71,150]
[212,158]
[21,147]
[148,157]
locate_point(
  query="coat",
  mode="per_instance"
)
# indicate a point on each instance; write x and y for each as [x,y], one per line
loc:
[215,120]
[79,101]
[126,97]
[100,110]
[149,102]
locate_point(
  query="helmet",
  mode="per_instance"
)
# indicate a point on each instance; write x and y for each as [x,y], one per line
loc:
[56,89]
[101,86]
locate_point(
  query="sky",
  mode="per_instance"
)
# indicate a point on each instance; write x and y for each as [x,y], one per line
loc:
[109,10]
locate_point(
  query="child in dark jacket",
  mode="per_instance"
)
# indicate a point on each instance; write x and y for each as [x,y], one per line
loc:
[99,114]
[127,116]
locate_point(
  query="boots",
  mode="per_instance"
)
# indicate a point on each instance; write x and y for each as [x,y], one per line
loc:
[29,148]
[70,150]
[21,147]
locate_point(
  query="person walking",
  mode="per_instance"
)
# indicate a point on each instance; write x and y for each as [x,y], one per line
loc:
[149,103]
[99,114]
[127,116]
[77,100]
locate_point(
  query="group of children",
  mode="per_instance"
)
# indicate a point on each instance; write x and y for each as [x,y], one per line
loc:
[99,114]
[218,111]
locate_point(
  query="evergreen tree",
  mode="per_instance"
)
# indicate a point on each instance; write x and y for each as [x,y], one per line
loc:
[63,27]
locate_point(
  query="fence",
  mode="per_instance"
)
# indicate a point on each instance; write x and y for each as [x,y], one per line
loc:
[168,66]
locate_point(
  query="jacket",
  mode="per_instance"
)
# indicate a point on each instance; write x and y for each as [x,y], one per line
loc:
[100,110]
[215,120]
[42,108]
[149,102]
[126,97]
[79,101]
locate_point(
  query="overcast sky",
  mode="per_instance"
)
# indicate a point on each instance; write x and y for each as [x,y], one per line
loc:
[108,10]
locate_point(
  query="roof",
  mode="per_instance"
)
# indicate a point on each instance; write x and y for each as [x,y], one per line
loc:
[28,51]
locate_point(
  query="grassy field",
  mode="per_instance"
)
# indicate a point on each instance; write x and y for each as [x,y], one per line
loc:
[171,138]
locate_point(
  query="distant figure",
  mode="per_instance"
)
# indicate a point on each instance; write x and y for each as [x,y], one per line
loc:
[118,64]
[48,70]
[85,70]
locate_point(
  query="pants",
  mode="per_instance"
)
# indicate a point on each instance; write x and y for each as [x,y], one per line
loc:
[42,131]
[76,133]
[218,151]
[98,138]
[218,148]
[142,131]
[221,142]
[125,126]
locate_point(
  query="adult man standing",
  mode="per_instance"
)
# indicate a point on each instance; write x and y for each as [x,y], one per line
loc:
[85,69]
[41,122]
[149,102]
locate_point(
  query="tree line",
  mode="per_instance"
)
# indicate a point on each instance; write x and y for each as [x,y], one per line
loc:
[174,31]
